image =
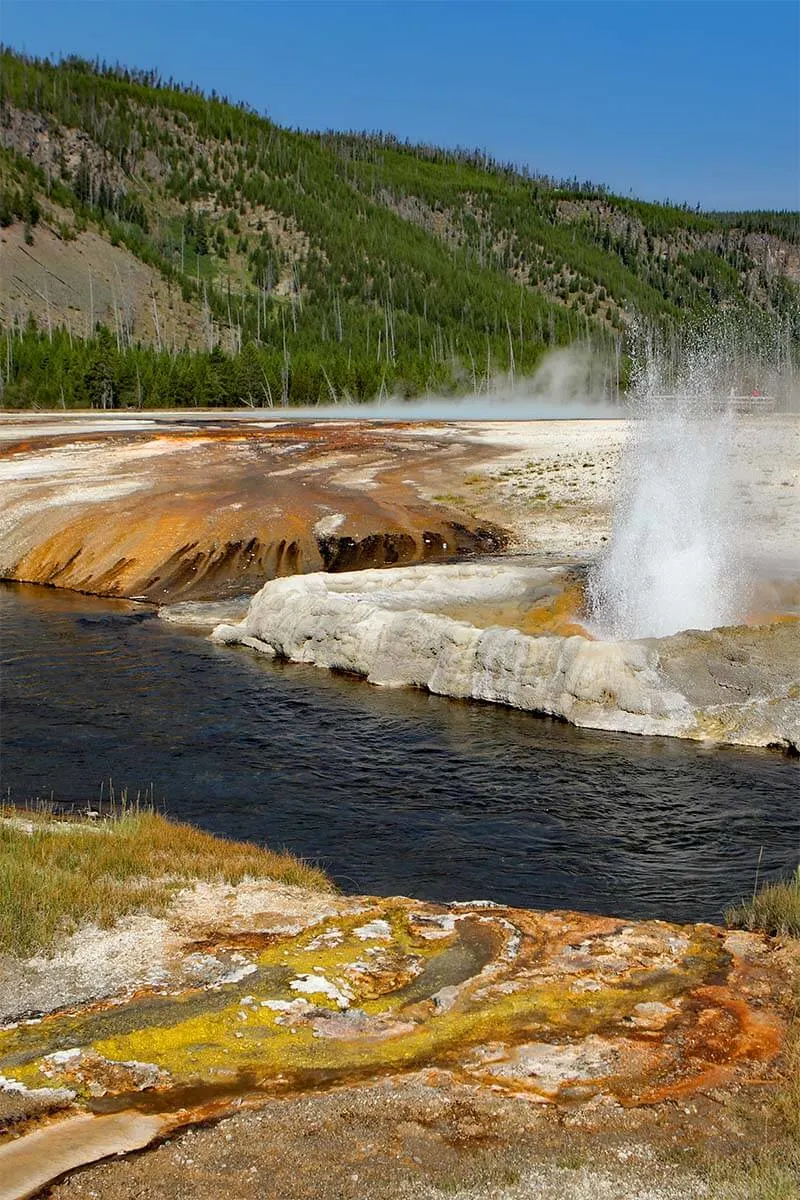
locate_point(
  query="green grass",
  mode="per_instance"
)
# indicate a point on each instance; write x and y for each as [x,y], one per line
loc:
[773,909]
[56,877]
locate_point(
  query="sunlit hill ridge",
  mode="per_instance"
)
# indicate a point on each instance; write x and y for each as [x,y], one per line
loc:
[163,247]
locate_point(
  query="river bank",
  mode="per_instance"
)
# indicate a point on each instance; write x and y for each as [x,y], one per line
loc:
[402,1045]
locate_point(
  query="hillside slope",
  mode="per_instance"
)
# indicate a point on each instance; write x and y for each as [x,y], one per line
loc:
[162,247]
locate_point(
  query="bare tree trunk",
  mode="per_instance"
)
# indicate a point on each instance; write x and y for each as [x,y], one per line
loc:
[266,388]
[510,352]
[474,377]
[331,388]
[285,371]
[155,322]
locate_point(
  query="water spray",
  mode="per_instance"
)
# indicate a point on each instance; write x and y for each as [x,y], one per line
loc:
[674,558]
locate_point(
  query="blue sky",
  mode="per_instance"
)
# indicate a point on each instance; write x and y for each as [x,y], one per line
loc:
[697,100]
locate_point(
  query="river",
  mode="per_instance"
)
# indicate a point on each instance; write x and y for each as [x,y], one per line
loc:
[391,791]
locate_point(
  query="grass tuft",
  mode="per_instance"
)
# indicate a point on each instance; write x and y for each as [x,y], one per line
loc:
[56,876]
[774,909]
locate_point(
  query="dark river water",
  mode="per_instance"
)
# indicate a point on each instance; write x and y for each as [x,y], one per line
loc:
[390,791]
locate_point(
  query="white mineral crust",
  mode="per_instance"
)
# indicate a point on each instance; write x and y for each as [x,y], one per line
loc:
[384,625]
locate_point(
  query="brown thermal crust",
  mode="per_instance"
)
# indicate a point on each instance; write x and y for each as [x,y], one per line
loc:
[209,514]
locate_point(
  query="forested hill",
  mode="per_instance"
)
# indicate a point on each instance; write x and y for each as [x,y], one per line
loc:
[163,247]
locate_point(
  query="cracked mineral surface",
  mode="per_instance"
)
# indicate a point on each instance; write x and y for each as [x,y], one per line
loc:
[262,994]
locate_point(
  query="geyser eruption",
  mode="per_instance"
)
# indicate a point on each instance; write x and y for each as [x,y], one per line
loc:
[673,561]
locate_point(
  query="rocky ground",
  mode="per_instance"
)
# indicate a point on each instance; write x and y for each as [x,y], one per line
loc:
[73,282]
[274,1042]
[419,1138]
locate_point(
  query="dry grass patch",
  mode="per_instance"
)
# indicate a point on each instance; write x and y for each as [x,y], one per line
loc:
[56,877]
[774,909]
[771,1170]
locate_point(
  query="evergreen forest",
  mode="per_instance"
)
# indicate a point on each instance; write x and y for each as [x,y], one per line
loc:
[168,248]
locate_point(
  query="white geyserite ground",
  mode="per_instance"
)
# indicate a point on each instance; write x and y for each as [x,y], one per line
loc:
[388,627]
